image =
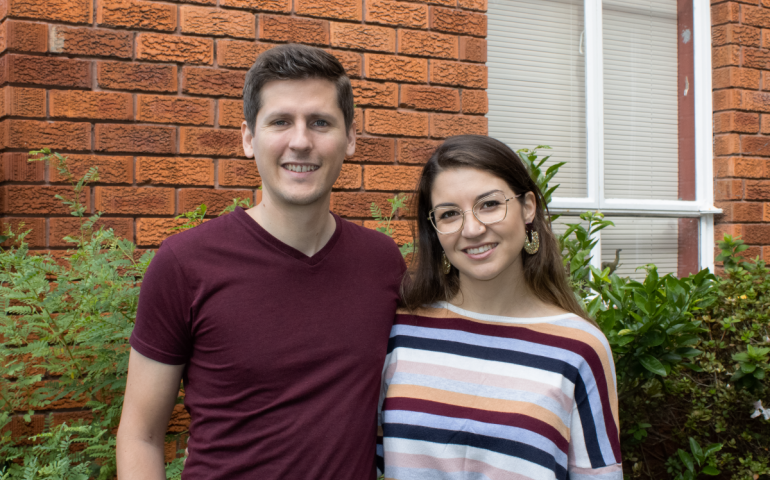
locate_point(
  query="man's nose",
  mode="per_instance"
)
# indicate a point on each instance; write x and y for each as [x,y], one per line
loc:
[300,138]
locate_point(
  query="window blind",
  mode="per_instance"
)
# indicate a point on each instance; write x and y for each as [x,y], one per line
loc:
[643,241]
[537,82]
[641,156]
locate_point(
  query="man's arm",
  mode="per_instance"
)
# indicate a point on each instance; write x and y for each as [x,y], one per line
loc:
[151,392]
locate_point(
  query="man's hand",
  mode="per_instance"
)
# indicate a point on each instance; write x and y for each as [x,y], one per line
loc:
[151,392]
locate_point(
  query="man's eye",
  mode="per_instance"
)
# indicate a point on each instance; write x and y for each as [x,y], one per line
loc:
[321,123]
[280,122]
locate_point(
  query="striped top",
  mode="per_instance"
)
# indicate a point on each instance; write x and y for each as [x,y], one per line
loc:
[473,396]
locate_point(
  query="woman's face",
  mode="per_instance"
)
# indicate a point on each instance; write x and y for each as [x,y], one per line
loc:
[479,251]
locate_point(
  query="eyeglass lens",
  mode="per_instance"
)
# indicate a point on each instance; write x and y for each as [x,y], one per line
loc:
[488,210]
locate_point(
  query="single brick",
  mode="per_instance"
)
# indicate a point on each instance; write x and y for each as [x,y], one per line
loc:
[176,110]
[765,127]
[39,199]
[728,189]
[742,100]
[374,149]
[18,168]
[746,211]
[399,69]
[175,171]
[728,55]
[18,36]
[373,94]
[173,48]
[91,105]
[388,122]
[197,2]
[218,22]
[427,44]
[745,167]
[416,150]
[424,97]
[756,16]
[756,58]
[22,430]
[239,54]
[111,169]
[475,102]
[742,122]
[230,113]
[355,204]
[293,29]
[359,120]
[458,21]
[35,227]
[458,74]
[363,37]
[48,71]
[349,178]
[442,125]
[22,102]
[89,41]
[215,200]
[29,134]
[728,144]
[150,232]
[59,228]
[473,49]
[213,81]
[739,34]
[135,138]
[137,14]
[137,76]
[391,177]
[207,141]
[342,9]
[480,5]
[402,230]
[238,173]
[755,145]
[68,11]
[758,234]
[400,14]
[134,201]
[351,62]
[725,13]
[735,77]
[280,6]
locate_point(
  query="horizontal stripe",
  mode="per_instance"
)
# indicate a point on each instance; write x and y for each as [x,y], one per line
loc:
[513,420]
[492,444]
[421,419]
[403,466]
[485,378]
[450,451]
[480,403]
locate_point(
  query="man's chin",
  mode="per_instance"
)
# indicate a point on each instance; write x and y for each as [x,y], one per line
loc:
[305,198]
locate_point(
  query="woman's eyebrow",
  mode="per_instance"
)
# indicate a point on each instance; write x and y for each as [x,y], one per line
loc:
[478,197]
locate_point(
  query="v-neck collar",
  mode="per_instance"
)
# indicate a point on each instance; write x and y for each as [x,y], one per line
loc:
[256,229]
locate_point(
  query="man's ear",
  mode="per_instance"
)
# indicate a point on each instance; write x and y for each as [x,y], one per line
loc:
[529,207]
[351,148]
[247,136]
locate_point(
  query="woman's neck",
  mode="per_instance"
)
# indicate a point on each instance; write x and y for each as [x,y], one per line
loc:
[506,295]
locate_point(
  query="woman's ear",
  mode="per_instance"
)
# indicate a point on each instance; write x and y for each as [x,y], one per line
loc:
[529,207]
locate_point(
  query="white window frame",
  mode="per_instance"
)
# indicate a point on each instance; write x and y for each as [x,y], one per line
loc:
[703,207]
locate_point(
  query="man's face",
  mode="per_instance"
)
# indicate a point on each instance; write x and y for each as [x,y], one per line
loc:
[299,141]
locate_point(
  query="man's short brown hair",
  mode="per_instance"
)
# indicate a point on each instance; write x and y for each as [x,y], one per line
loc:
[295,62]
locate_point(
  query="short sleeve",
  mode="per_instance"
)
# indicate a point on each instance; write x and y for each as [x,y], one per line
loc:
[162,332]
[594,451]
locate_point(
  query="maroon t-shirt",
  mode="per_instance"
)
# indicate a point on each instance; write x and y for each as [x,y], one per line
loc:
[283,351]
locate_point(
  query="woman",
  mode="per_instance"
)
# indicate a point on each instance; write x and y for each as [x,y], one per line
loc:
[494,371]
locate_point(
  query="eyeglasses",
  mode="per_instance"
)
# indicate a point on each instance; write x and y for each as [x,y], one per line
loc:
[489,210]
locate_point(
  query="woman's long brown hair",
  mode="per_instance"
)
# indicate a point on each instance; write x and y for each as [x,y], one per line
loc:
[544,272]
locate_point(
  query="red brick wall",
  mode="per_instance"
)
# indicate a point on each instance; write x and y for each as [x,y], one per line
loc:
[150,92]
[741,82]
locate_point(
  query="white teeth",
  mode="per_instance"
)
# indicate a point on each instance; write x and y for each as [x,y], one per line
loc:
[481,249]
[300,168]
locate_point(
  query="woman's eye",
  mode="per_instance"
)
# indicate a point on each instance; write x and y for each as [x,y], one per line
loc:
[490,204]
[448,214]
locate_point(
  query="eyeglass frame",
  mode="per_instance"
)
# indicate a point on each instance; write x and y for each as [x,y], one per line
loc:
[463,212]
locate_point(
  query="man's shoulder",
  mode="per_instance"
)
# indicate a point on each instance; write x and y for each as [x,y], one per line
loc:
[370,239]
[206,235]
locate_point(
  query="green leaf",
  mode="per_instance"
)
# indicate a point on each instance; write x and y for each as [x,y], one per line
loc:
[709,470]
[686,459]
[652,364]
[696,451]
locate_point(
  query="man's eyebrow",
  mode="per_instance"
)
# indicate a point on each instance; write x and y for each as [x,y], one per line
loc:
[478,197]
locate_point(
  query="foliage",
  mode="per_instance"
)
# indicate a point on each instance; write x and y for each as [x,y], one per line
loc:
[193,218]
[384,222]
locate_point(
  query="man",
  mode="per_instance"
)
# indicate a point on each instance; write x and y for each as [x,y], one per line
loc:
[277,317]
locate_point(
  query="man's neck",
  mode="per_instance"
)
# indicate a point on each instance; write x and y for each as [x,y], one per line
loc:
[306,228]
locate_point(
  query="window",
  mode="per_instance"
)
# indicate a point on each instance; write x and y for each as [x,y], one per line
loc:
[621,89]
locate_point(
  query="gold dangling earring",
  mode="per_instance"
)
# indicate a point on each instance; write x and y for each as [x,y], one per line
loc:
[532,243]
[446,267]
